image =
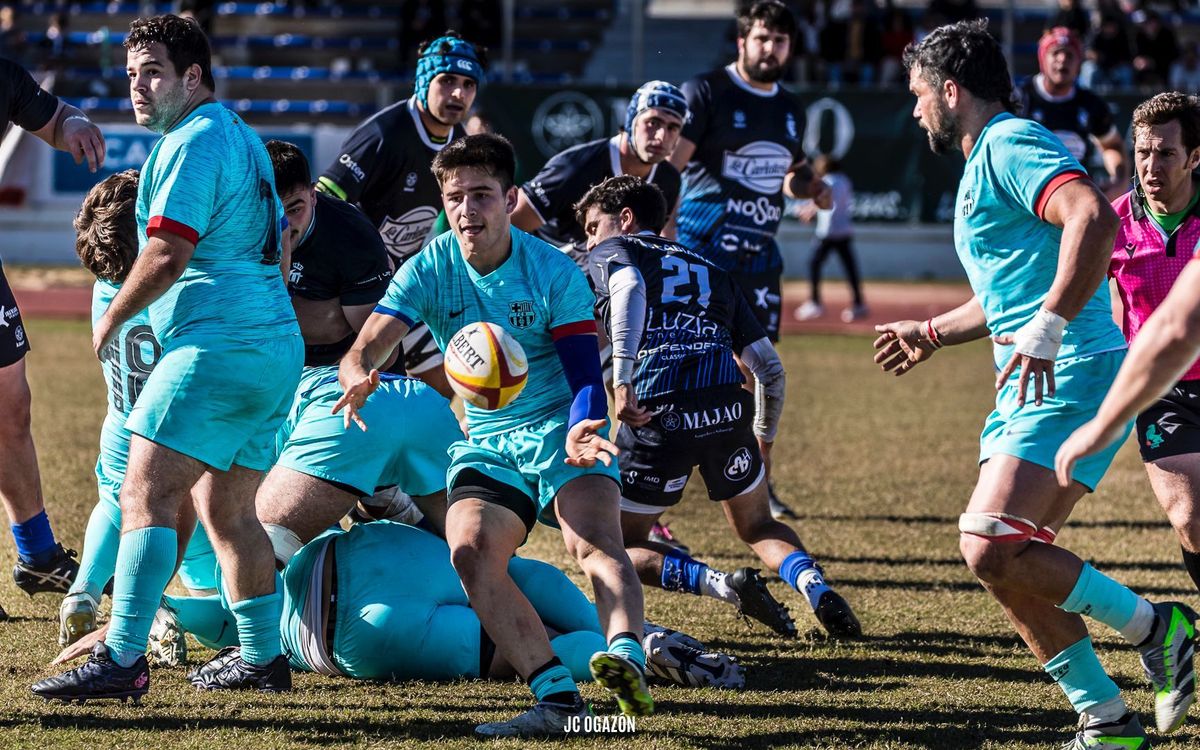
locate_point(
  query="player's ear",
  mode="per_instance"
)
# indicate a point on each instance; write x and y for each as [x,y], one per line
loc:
[510,199]
[627,220]
[1194,158]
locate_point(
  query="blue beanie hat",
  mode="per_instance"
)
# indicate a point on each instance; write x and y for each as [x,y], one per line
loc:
[656,94]
[447,54]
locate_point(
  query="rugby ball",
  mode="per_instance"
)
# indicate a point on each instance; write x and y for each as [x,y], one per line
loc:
[485,365]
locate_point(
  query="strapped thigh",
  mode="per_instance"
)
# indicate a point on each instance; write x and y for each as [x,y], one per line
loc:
[1004,527]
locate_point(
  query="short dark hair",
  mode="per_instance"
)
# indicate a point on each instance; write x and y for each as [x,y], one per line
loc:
[1169,106]
[185,42]
[290,165]
[967,53]
[106,237]
[615,194]
[773,14]
[487,151]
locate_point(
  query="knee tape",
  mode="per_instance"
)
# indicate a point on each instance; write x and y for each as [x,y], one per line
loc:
[284,542]
[1004,527]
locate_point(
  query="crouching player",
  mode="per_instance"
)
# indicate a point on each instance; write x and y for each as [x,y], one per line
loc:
[106,242]
[542,457]
[676,321]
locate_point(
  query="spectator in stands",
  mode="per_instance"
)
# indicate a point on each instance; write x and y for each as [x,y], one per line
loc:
[1154,51]
[807,42]
[1185,73]
[952,11]
[201,11]
[834,234]
[482,22]
[1110,58]
[419,20]
[12,39]
[851,44]
[1071,15]
[54,47]
[897,34]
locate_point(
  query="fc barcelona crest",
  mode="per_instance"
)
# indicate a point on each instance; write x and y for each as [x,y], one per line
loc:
[521,313]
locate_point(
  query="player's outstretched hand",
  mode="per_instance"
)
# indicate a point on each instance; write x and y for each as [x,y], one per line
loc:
[1040,371]
[901,346]
[585,446]
[81,647]
[628,410]
[1091,438]
[84,141]
[354,395]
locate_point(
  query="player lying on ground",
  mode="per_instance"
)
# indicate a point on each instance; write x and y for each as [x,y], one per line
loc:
[676,321]
[106,242]
[1035,237]
[542,457]
[346,614]
[1160,229]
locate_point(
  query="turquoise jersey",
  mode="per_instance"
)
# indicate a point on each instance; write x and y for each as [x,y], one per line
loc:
[537,294]
[210,181]
[126,363]
[1010,254]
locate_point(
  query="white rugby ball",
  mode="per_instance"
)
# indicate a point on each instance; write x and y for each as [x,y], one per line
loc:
[485,365]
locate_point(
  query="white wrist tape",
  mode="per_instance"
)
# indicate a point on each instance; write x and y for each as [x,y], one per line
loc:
[623,370]
[1041,337]
[81,118]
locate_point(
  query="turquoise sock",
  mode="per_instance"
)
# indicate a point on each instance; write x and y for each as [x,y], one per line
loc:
[145,563]
[575,650]
[258,626]
[100,544]
[1078,672]
[624,644]
[1101,598]
[206,619]
[552,678]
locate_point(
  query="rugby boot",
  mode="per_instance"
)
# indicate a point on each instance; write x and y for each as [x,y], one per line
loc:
[675,636]
[218,662]
[755,601]
[1167,658]
[3,615]
[835,615]
[677,662]
[76,617]
[167,645]
[56,576]
[1125,733]
[98,678]
[661,533]
[543,720]
[779,510]
[236,674]
[625,680]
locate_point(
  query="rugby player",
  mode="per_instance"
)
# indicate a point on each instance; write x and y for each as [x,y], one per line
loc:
[542,457]
[740,154]
[106,243]
[676,321]
[1035,237]
[383,166]
[204,425]
[42,563]
[1078,116]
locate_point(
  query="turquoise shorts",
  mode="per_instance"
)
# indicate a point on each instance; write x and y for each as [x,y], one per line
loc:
[1035,433]
[531,459]
[410,428]
[220,405]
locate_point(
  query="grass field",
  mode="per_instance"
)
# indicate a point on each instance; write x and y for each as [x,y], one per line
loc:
[880,469]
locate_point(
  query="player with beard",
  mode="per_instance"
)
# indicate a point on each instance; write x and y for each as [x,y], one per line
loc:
[740,154]
[1035,237]
[1080,118]
[383,166]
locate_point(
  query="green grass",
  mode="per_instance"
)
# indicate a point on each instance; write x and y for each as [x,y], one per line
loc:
[879,467]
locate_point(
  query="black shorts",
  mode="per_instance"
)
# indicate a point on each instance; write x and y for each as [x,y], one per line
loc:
[14,344]
[711,429]
[1171,425]
[762,291]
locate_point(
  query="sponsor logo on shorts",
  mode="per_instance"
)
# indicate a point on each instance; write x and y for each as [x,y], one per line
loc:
[521,313]
[676,484]
[1154,438]
[4,315]
[670,421]
[697,420]
[20,335]
[738,465]
[352,165]
[405,234]
[759,166]
[296,273]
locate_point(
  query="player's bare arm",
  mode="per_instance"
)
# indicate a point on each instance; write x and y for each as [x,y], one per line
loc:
[160,264]
[1165,347]
[683,154]
[525,217]
[358,372]
[904,344]
[72,131]
[1089,225]
[801,182]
